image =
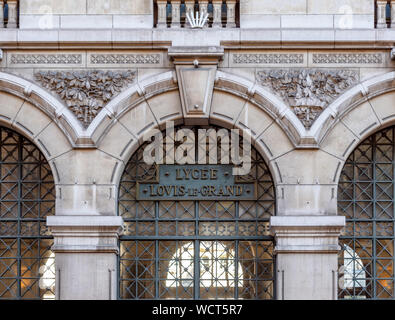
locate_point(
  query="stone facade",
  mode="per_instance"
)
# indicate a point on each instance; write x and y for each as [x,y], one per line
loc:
[86,79]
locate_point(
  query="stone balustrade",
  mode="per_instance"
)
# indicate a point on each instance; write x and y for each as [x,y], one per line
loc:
[9,13]
[385,14]
[172,13]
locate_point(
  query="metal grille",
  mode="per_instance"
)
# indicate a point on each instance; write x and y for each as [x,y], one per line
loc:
[196,249]
[27,196]
[366,198]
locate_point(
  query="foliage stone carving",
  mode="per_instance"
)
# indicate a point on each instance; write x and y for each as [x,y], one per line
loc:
[308,91]
[86,92]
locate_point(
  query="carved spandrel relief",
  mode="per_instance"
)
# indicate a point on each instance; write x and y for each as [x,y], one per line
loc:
[308,91]
[86,92]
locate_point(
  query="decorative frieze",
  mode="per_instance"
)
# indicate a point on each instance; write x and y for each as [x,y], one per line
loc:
[86,92]
[46,59]
[308,91]
[125,59]
[268,58]
[347,58]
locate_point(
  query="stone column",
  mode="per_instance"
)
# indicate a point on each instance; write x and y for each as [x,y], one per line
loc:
[231,13]
[162,14]
[307,256]
[217,4]
[86,249]
[12,13]
[175,14]
[381,16]
[392,13]
[1,13]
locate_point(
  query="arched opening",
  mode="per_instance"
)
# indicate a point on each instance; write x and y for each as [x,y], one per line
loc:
[366,199]
[195,248]
[27,197]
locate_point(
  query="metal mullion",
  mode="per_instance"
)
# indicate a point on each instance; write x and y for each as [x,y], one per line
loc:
[196,258]
[19,148]
[157,280]
[1,164]
[136,282]
[236,276]
[118,268]
[156,269]
[256,268]
[374,257]
[354,215]
[393,208]
[38,257]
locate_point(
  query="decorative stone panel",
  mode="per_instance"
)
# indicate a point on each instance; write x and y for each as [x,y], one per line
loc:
[307,91]
[268,58]
[86,92]
[348,58]
[46,59]
[153,59]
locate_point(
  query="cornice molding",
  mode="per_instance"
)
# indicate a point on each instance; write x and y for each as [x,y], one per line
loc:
[234,38]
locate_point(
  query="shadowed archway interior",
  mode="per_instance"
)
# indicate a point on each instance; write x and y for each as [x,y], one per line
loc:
[203,249]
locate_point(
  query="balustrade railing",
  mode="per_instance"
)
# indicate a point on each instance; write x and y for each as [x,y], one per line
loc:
[385,14]
[173,13]
[9,13]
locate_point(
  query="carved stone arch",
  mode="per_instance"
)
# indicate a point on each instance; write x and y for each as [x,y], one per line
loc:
[137,94]
[118,130]
[269,103]
[33,113]
[355,97]
[356,115]
[43,101]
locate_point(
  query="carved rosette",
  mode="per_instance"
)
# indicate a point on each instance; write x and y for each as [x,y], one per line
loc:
[86,92]
[308,91]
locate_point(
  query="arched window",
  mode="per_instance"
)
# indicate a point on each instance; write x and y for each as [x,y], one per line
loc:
[195,248]
[217,262]
[27,197]
[352,272]
[366,198]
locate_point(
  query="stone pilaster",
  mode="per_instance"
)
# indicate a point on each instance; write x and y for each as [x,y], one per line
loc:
[86,249]
[307,249]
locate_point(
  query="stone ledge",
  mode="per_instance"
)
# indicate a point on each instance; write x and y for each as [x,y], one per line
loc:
[84,221]
[307,221]
[307,234]
[81,234]
[233,38]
